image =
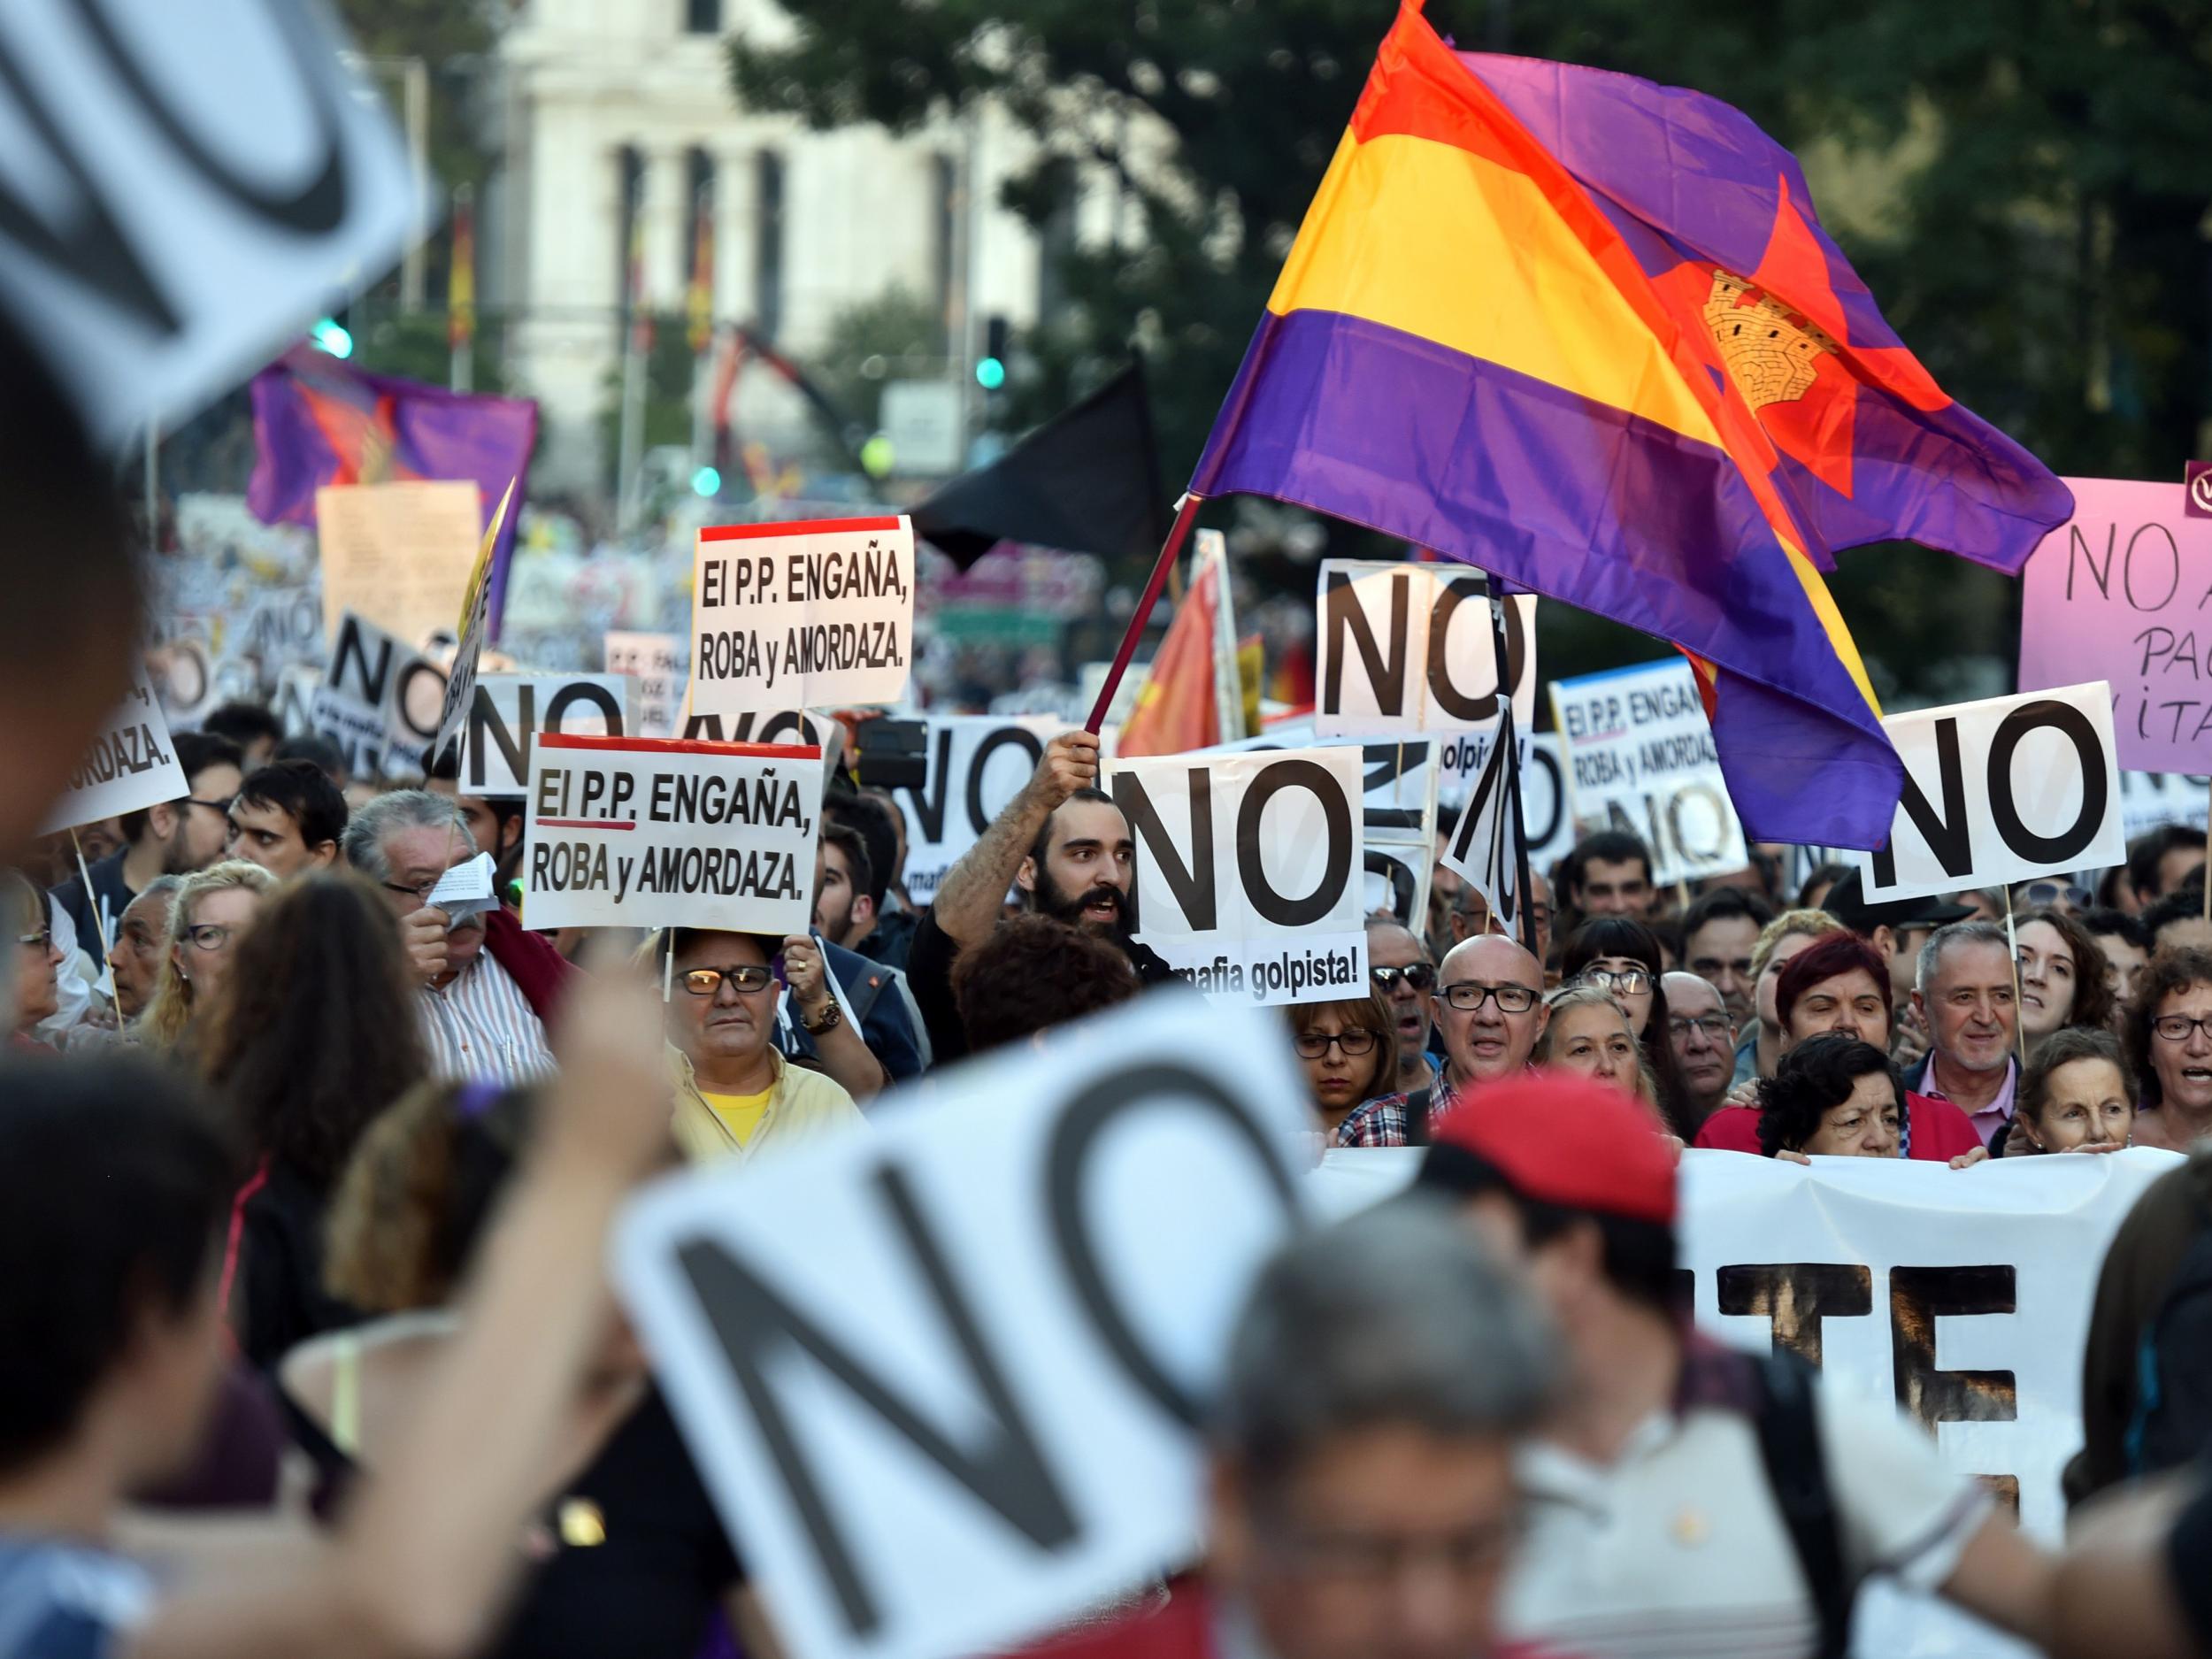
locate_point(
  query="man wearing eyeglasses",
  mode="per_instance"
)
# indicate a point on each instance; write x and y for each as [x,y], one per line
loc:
[736,1096]
[488,986]
[1489,1004]
[1704,1039]
[1399,964]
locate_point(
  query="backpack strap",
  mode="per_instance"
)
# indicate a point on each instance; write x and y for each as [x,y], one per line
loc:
[1797,1473]
[1418,1116]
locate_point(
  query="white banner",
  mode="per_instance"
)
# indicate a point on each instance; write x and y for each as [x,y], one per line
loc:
[812,615]
[1405,648]
[2148,799]
[976,764]
[1250,870]
[943,1376]
[511,710]
[2001,791]
[188,186]
[659,833]
[1640,757]
[129,767]
[661,666]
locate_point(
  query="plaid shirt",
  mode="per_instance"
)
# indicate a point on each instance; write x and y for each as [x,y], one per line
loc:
[1380,1122]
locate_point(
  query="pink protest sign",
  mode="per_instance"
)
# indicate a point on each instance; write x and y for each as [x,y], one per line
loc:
[2122,592]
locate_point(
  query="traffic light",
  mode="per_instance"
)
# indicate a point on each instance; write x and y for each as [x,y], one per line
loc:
[990,368]
[329,335]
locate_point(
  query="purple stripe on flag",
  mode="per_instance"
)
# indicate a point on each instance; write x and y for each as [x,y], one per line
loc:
[1582,501]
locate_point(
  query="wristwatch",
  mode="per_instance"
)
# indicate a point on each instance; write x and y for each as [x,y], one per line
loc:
[831,1017]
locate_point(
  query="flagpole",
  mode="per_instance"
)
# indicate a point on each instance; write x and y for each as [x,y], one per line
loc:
[1510,738]
[1185,511]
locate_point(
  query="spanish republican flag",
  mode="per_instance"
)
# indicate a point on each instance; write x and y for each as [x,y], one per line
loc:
[1586,332]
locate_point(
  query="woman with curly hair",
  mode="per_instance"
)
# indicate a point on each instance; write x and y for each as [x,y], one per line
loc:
[1834,1097]
[2065,979]
[317,1031]
[214,911]
[2167,1035]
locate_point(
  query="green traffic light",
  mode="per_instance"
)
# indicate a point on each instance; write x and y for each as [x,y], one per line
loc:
[330,336]
[990,373]
[706,481]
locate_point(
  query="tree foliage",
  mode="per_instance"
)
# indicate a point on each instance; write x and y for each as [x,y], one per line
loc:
[2020,181]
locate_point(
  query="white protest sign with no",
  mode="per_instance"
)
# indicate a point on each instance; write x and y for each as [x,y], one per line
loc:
[1250,870]
[1640,758]
[510,711]
[188,186]
[812,615]
[660,666]
[2001,791]
[943,1375]
[1544,816]
[379,699]
[130,765]
[659,833]
[975,765]
[1406,648]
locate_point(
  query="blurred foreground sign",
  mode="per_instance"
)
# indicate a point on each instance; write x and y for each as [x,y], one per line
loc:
[131,765]
[942,1375]
[184,188]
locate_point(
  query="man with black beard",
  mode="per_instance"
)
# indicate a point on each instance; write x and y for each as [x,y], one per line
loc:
[1063,844]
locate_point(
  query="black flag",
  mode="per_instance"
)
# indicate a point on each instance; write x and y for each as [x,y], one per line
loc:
[1086,481]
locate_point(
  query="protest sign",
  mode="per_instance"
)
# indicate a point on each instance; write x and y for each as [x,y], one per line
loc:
[1640,758]
[635,831]
[943,1377]
[379,701]
[1250,870]
[813,615]
[1961,1296]
[203,179]
[975,765]
[1406,648]
[2116,594]
[397,554]
[1545,820]
[129,767]
[474,628]
[510,711]
[2001,791]
[659,665]
[777,725]
[2148,799]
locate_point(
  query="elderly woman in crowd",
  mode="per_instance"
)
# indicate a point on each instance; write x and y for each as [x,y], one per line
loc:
[2075,1095]
[2065,977]
[2168,1038]
[1836,1096]
[1622,956]
[35,990]
[1588,1031]
[1348,1051]
[212,911]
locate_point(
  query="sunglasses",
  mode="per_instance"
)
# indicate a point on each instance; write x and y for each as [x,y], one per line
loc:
[708,981]
[2052,892]
[1419,975]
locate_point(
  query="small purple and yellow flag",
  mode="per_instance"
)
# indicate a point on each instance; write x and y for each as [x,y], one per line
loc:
[1587,332]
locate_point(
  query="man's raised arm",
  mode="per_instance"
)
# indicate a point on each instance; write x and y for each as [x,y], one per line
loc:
[972,892]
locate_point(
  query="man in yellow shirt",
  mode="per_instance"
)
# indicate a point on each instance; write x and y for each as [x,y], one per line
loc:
[735,1095]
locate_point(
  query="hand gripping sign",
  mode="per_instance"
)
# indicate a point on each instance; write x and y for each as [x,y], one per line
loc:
[660,833]
[942,1375]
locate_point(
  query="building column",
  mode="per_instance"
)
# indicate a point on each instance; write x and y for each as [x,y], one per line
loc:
[667,210]
[735,212]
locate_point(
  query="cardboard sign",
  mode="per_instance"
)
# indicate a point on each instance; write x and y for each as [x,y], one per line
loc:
[657,832]
[474,628]
[943,1376]
[976,764]
[1250,870]
[379,701]
[130,765]
[2116,594]
[190,185]
[512,710]
[1406,648]
[813,615]
[1640,758]
[397,554]
[2001,791]
[660,666]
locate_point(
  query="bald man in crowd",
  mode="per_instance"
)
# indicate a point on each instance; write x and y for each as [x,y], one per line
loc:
[1489,1005]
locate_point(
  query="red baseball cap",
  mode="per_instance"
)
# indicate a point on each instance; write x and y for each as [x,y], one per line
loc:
[1558,1138]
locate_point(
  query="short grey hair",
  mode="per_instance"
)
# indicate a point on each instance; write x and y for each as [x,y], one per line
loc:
[401,809]
[1397,1315]
[1951,934]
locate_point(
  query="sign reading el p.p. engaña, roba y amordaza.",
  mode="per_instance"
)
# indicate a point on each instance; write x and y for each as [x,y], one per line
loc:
[802,615]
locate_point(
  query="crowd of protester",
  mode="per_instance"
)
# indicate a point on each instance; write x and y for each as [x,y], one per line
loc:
[293,1140]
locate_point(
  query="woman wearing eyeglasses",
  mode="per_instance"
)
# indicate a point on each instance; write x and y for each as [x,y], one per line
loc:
[35,990]
[1622,957]
[211,913]
[735,1095]
[1350,1051]
[2169,1039]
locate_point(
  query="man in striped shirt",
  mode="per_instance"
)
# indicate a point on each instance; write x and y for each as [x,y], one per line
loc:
[488,986]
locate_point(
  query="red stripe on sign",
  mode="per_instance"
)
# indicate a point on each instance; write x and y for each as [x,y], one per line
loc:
[805,526]
[679,746]
[582,823]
